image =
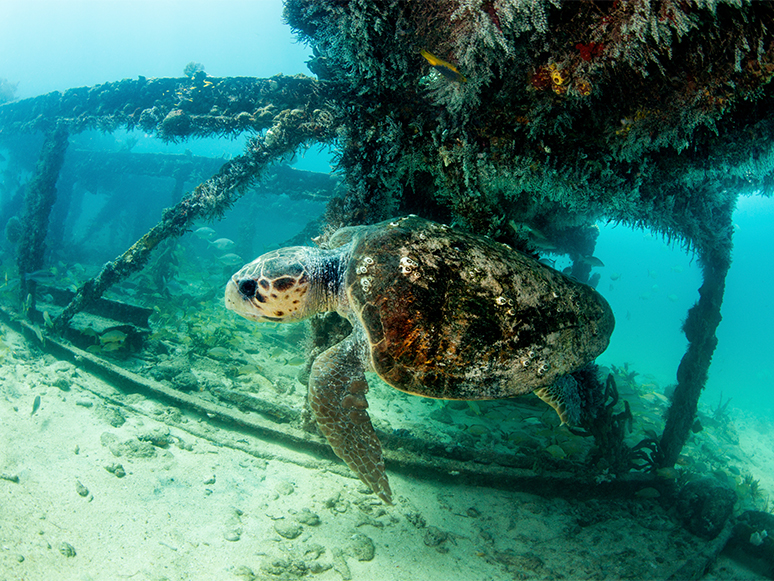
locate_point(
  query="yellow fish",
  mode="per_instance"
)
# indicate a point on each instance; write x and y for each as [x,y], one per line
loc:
[448,70]
[114,336]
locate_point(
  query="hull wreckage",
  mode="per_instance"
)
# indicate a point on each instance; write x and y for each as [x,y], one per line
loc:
[524,121]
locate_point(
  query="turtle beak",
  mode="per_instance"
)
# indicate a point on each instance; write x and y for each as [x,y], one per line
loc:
[239,303]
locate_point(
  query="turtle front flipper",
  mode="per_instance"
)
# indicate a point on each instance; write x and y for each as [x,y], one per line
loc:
[337,388]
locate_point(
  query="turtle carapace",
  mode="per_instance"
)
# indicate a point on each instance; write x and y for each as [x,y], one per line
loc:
[435,312]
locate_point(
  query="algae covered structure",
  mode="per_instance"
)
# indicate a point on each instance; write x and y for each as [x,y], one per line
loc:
[594,124]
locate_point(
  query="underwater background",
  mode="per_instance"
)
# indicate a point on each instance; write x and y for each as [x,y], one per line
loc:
[58,45]
[649,282]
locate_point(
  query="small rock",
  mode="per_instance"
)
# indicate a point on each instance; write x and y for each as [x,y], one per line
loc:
[116,469]
[307,517]
[337,504]
[129,448]
[416,519]
[435,537]
[232,536]
[340,564]
[704,506]
[81,489]
[159,437]
[186,381]
[286,569]
[361,547]
[113,416]
[67,549]
[210,480]
[62,383]
[10,478]
[287,529]
[284,488]
[317,567]
[313,551]
[244,571]
[168,370]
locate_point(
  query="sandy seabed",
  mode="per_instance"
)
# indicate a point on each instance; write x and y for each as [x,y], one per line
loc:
[99,488]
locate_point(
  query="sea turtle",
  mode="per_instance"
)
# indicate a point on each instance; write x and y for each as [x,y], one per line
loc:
[435,312]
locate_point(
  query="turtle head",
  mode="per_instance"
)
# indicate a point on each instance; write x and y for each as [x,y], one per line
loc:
[281,286]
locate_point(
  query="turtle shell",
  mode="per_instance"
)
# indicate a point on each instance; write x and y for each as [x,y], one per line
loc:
[455,316]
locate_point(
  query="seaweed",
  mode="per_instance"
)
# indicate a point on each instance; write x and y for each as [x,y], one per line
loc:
[608,427]
[720,413]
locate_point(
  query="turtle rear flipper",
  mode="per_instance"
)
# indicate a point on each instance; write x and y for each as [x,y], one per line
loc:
[337,388]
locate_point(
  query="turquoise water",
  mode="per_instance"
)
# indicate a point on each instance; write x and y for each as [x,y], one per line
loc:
[55,45]
[659,282]
[47,46]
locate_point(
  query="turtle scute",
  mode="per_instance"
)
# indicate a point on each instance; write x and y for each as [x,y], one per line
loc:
[451,315]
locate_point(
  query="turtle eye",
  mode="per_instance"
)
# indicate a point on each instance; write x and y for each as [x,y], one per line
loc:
[247,287]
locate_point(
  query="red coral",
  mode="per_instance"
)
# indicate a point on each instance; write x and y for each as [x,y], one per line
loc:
[590,50]
[490,9]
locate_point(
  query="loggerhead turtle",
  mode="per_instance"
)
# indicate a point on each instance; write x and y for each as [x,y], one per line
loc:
[434,312]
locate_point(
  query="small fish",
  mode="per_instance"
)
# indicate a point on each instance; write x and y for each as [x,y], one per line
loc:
[592,261]
[204,233]
[697,427]
[218,353]
[223,244]
[114,336]
[38,334]
[647,493]
[231,260]
[247,369]
[41,276]
[668,473]
[47,319]
[448,70]
[35,405]
[536,237]
[89,332]
[615,275]
[108,347]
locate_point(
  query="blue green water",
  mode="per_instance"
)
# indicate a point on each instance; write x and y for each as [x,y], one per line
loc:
[651,284]
[55,45]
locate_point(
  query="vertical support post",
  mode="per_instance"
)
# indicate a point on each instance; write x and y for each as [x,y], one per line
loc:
[38,200]
[699,328]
